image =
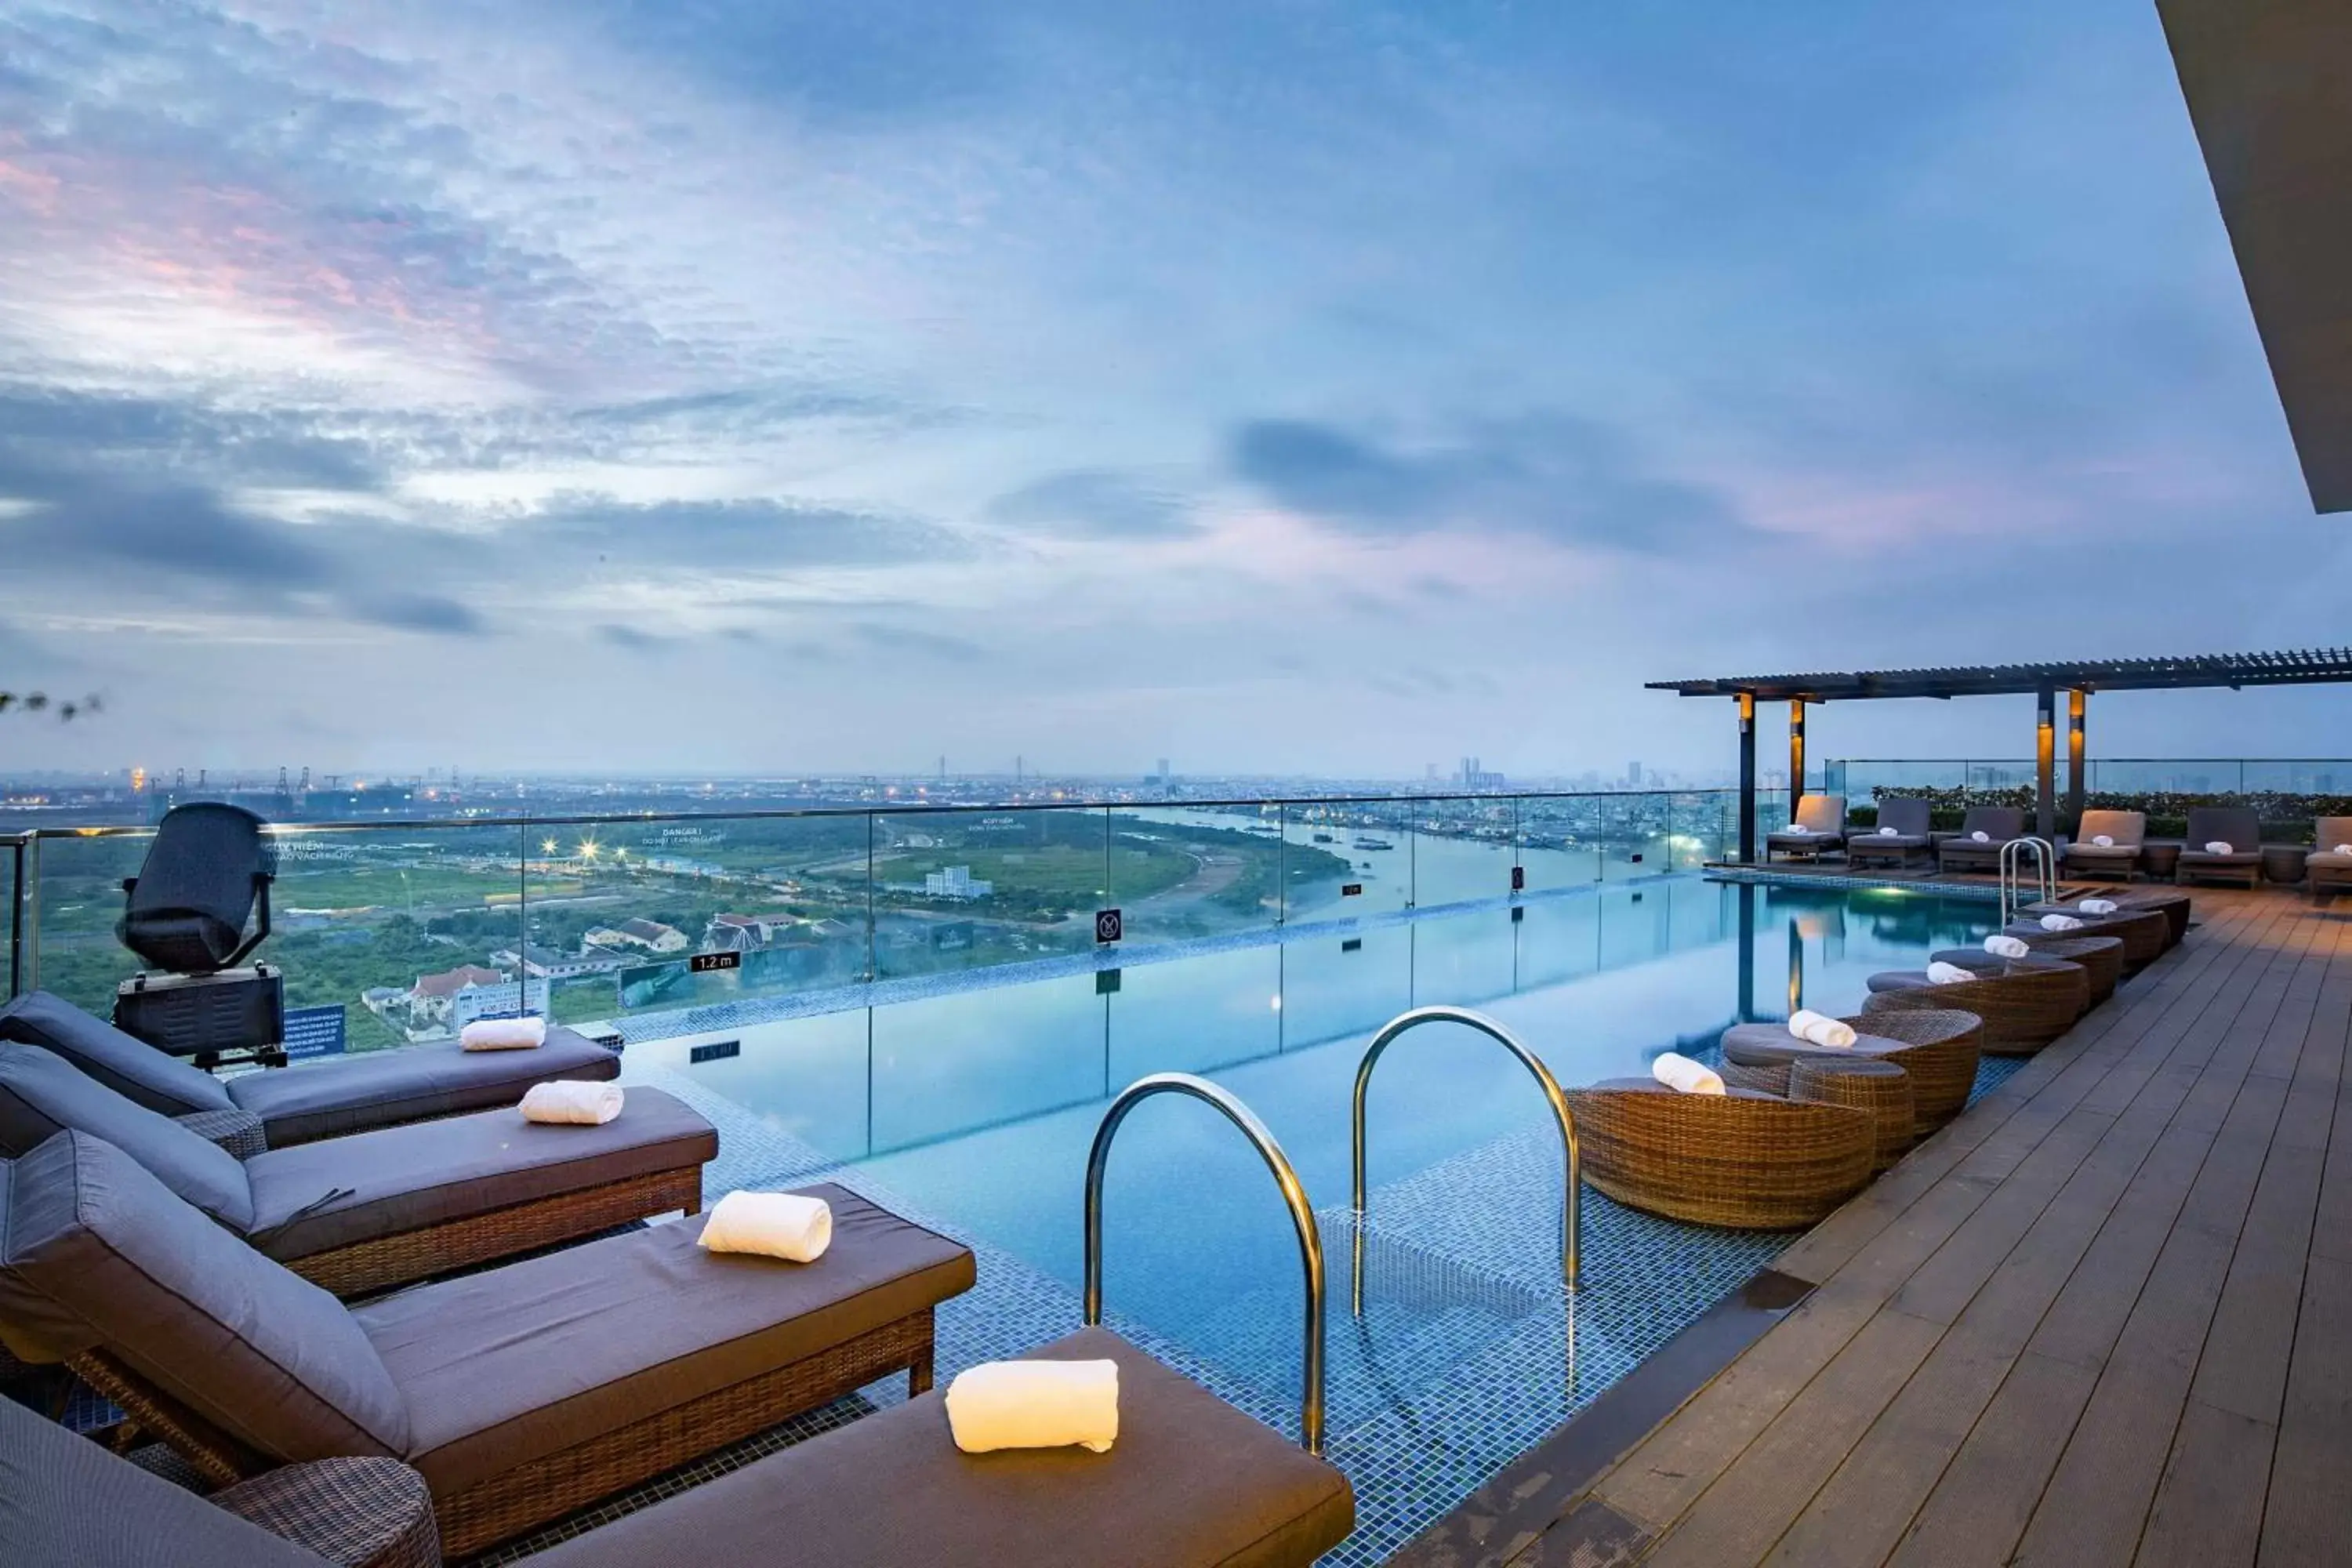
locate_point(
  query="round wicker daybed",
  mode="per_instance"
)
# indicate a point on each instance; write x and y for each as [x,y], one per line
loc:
[1939,1047]
[2030,1003]
[1744,1159]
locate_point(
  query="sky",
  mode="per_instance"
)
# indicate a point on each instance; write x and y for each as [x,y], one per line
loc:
[1276,388]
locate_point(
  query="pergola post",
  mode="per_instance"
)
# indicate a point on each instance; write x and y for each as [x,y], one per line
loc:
[2076,700]
[1746,779]
[2046,748]
[1796,752]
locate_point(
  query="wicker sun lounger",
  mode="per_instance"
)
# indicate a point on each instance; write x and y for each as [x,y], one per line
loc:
[66,1500]
[2238,826]
[322,1100]
[2100,953]
[521,1393]
[2085,856]
[1747,1159]
[1939,1049]
[2028,1004]
[1963,851]
[2329,868]
[389,1208]
[1190,1482]
[1900,836]
[2145,929]
[1820,818]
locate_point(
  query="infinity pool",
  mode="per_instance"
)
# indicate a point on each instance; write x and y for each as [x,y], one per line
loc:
[972,1108]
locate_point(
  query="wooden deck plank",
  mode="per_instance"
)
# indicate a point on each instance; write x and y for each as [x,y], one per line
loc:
[2310,1495]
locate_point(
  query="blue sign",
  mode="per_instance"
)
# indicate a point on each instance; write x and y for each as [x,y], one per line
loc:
[314,1032]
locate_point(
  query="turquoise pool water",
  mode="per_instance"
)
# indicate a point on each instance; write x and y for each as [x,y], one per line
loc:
[972,1107]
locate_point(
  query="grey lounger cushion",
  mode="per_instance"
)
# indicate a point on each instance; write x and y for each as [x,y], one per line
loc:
[66,1500]
[502,1367]
[401,1178]
[129,1065]
[383,1088]
[99,1254]
[41,1096]
[1190,1483]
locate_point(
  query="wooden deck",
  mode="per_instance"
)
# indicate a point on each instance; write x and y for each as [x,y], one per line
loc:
[2105,1316]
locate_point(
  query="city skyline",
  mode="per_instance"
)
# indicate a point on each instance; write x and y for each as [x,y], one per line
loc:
[765,389]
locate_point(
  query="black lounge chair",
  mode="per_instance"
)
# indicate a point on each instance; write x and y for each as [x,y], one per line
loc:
[1901,834]
[65,1498]
[322,1100]
[206,874]
[521,1393]
[2329,868]
[2238,826]
[384,1208]
[1964,851]
[1192,1482]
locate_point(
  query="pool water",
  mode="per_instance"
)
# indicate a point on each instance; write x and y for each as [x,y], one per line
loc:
[970,1106]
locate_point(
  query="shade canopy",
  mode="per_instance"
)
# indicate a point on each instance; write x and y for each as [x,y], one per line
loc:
[2292,668]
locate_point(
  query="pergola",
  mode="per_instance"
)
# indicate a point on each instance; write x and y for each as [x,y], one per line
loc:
[2078,680]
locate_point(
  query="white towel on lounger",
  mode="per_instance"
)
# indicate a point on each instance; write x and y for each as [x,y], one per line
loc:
[2218,846]
[1981,836]
[2344,847]
[1035,1404]
[2061,923]
[1888,833]
[2103,841]
[566,1101]
[774,1224]
[503,1035]
[1821,1029]
[2098,906]
[1942,974]
[2004,946]
[1799,828]
[1684,1076]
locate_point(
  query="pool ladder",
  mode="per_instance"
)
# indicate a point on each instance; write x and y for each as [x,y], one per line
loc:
[2012,874]
[1572,1228]
[1294,1196]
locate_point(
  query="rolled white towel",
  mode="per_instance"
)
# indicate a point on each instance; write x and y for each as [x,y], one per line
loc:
[1981,836]
[773,1225]
[2344,847]
[1942,974]
[2061,923]
[1684,1076]
[2103,841]
[2002,945]
[503,1035]
[587,1104]
[2218,846]
[1835,1034]
[1035,1404]
[1799,828]
[1888,833]
[2098,906]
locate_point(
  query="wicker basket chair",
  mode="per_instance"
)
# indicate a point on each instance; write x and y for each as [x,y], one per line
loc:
[2032,1002]
[1939,1047]
[2170,902]
[2100,954]
[2145,932]
[1744,1160]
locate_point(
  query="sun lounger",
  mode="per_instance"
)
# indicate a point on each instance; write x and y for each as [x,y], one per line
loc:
[1940,1050]
[65,1499]
[2085,856]
[1910,838]
[2238,826]
[389,1208]
[2329,868]
[1192,1482]
[1963,851]
[1743,1159]
[323,1099]
[521,1393]
[1823,817]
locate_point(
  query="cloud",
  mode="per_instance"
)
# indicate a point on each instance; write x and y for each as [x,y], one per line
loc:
[1569,479]
[631,639]
[764,533]
[1094,502]
[416,612]
[910,640]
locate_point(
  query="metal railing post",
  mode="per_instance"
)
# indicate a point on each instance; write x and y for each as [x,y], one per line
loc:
[1294,1196]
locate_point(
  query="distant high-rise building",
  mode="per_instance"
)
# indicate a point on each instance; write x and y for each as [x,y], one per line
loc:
[1634,775]
[1165,777]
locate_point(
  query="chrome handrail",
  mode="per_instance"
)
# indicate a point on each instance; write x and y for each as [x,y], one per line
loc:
[1571,1227]
[2010,873]
[1294,1194]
